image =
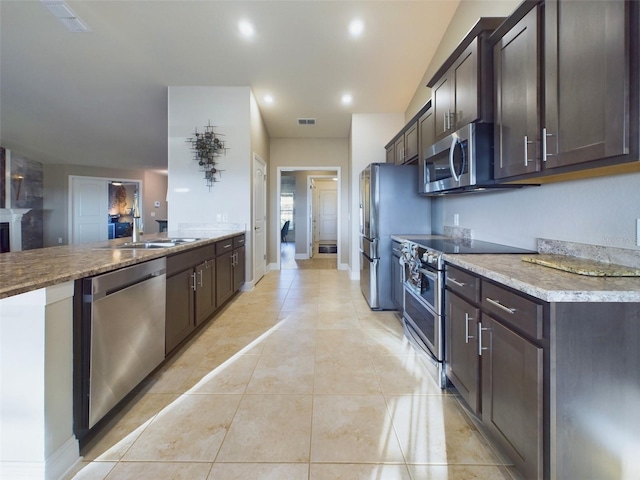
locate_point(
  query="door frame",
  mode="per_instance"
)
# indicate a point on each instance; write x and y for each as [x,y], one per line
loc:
[106,180]
[258,159]
[276,228]
[310,204]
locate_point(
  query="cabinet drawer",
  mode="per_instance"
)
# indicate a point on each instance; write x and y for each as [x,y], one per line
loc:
[238,241]
[463,283]
[224,246]
[189,259]
[518,311]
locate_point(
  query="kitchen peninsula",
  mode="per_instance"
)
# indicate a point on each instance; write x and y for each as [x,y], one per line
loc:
[37,289]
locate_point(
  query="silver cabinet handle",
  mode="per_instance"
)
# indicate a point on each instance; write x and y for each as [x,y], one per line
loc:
[193,283]
[201,272]
[444,122]
[455,282]
[526,150]
[467,337]
[227,246]
[546,135]
[503,307]
[480,347]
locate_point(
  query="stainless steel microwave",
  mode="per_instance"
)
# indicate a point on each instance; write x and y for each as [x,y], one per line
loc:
[461,162]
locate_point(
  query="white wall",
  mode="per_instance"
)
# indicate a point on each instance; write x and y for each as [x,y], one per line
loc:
[598,211]
[370,132]
[465,17]
[311,152]
[229,201]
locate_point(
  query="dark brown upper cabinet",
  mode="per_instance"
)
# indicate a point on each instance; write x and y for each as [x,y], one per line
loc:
[587,67]
[462,89]
[516,58]
[567,90]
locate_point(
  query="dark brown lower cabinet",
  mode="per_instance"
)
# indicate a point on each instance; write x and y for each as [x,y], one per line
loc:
[179,310]
[205,293]
[198,282]
[238,267]
[224,277]
[512,395]
[463,361]
[495,359]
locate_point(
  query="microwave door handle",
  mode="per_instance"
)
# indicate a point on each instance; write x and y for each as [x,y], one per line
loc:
[454,143]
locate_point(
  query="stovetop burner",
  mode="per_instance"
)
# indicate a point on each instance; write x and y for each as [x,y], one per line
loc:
[451,245]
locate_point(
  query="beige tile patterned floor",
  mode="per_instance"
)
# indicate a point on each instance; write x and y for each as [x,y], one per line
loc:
[297,379]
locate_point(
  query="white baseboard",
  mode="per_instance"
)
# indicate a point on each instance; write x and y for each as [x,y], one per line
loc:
[53,468]
[247,286]
[343,266]
[301,256]
[63,459]
[273,266]
[354,274]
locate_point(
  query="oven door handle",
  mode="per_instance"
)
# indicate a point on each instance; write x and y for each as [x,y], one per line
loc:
[433,276]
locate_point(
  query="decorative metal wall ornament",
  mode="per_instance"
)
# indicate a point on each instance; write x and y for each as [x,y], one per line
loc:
[207,147]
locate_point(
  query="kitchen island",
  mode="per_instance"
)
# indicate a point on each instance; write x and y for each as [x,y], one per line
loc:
[37,289]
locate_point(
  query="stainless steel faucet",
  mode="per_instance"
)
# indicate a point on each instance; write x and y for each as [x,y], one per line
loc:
[136,219]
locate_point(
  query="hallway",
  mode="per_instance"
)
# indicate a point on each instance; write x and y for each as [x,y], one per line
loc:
[295,380]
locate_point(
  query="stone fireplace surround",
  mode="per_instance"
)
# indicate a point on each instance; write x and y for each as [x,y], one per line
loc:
[13,216]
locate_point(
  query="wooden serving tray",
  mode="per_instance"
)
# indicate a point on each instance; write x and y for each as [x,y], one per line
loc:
[582,266]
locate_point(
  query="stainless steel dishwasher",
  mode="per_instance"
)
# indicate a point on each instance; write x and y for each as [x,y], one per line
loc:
[123,324]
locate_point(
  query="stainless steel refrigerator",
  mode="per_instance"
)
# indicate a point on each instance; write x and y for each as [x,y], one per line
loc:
[389,204]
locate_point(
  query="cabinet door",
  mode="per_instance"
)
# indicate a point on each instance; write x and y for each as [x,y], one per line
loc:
[586,81]
[239,268]
[399,149]
[462,364]
[391,154]
[224,277]
[397,288]
[517,96]
[411,142]
[179,309]
[426,127]
[465,85]
[442,107]
[512,388]
[205,295]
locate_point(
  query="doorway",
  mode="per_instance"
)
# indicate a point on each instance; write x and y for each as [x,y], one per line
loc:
[100,208]
[296,202]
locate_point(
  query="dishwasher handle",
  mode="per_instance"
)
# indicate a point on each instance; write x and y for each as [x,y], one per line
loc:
[112,282]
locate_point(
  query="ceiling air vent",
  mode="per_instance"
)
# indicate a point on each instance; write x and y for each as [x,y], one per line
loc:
[306,121]
[69,19]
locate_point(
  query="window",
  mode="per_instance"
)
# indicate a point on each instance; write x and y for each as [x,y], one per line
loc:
[287,209]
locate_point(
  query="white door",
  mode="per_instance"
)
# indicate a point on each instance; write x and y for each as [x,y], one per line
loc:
[259,218]
[328,215]
[311,218]
[89,210]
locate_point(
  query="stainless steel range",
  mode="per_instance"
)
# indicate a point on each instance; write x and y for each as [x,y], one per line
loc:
[423,317]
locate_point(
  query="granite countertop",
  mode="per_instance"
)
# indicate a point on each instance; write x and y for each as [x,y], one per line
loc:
[29,270]
[546,283]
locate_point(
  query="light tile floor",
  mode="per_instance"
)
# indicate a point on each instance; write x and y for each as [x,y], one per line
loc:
[297,379]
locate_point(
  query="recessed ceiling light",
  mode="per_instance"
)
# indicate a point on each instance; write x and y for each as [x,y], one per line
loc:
[268,99]
[246,28]
[356,27]
[347,99]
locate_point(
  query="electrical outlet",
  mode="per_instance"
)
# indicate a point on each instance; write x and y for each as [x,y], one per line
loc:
[218,217]
[456,219]
[60,240]
[153,214]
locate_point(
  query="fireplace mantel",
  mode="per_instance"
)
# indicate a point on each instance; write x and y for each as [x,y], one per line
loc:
[13,216]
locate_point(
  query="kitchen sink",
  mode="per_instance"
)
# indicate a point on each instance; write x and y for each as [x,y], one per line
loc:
[154,243]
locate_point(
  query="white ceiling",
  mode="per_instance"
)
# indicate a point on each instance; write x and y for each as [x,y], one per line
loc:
[100,98]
